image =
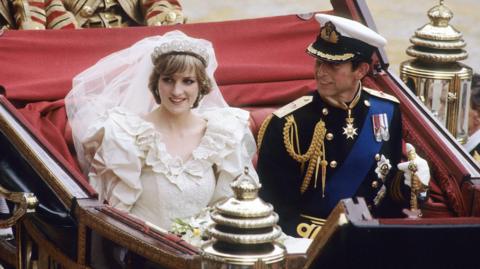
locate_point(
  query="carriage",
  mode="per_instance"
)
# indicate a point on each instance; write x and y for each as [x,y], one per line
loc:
[262,66]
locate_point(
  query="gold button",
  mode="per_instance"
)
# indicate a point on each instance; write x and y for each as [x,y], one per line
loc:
[375,184]
[171,16]
[333,164]
[325,111]
[86,11]
[377,157]
[329,136]
[366,102]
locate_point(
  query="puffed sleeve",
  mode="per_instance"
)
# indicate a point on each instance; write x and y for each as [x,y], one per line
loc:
[236,147]
[115,159]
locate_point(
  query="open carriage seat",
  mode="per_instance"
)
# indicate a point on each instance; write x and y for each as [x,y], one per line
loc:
[36,104]
[262,66]
[272,80]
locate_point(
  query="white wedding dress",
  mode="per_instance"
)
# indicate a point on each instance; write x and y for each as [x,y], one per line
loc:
[131,168]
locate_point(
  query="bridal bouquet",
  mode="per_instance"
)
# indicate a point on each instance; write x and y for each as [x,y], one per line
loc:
[193,229]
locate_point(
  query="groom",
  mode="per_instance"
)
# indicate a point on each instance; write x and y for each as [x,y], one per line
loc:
[343,140]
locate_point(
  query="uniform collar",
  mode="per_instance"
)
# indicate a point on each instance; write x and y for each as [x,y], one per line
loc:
[343,105]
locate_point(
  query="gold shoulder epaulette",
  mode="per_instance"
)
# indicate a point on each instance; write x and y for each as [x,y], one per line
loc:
[381,95]
[292,106]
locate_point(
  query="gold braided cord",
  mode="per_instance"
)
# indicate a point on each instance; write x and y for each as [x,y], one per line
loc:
[262,130]
[294,135]
[317,159]
[315,153]
[332,57]
[310,169]
[288,128]
[323,163]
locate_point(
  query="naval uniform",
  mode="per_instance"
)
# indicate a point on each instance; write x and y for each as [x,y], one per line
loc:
[347,163]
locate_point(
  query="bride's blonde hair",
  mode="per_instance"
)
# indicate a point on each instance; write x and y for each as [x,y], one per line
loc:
[179,62]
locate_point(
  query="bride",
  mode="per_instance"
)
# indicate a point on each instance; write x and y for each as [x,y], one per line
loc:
[153,132]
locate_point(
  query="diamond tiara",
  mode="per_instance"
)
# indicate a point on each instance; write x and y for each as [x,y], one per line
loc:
[182,46]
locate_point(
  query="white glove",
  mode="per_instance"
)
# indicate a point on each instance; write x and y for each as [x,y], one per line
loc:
[415,163]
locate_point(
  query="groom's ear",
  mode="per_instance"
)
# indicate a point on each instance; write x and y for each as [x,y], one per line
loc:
[362,70]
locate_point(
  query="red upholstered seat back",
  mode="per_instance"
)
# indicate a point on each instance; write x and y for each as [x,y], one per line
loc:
[262,65]
[250,74]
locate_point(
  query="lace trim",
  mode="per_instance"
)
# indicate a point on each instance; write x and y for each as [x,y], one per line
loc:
[225,128]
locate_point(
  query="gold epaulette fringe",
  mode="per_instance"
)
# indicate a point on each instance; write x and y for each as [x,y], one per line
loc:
[315,154]
[262,130]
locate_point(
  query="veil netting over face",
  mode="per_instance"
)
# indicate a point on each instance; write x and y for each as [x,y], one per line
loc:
[121,80]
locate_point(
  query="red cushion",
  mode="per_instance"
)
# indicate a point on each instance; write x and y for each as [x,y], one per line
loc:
[250,75]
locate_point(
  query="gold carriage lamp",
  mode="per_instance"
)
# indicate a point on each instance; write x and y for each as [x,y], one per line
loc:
[244,231]
[25,204]
[436,76]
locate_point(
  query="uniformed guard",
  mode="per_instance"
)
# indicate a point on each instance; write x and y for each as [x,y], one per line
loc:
[341,141]
[120,13]
[64,14]
[25,15]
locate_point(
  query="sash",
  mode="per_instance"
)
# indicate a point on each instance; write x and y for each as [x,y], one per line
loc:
[347,179]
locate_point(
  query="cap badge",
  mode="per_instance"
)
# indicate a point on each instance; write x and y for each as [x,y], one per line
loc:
[329,33]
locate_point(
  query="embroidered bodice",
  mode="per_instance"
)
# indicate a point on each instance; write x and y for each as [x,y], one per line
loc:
[131,168]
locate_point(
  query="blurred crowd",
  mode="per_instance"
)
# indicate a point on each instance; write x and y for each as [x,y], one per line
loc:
[73,14]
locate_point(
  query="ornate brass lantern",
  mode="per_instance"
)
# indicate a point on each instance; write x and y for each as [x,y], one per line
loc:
[436,76]
[244,231]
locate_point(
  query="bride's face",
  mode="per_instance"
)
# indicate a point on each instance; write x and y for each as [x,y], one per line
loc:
[179,91]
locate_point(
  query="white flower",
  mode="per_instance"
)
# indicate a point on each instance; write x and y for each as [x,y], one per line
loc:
[193,229]
[193,238]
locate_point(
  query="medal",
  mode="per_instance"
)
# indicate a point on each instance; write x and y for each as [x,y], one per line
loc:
[380,127]
[349,130]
